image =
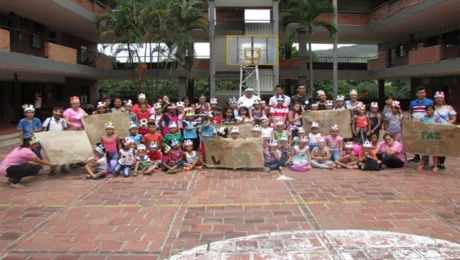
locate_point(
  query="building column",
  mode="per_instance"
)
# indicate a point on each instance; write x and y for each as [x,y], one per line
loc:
[275,21]
[381,91]
[182,87]
[93,93]
[212,59]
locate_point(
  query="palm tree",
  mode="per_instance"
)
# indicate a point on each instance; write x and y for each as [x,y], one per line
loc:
[335,69]
[302,17]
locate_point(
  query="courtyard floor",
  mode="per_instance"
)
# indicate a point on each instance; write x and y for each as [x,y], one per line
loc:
[321,214]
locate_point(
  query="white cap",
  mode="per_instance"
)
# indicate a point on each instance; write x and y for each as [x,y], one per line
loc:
[335,127]
[257,101]
[314,105]
[132,125]
[303,139]
[129,102]
[235,130]
[301,130]
[257,128]
[34,140]
[180,104]
[141,95]
[367,144]
[157,106]
[320,93]
[100,149]
[320,139]
[249,89]
[100,104]
[109,125]
[188,142]
[353,92]
[28,108]
[264,118]
[340,98]
[374,105]
[280,123]
[213,101]
[141,147]
[172,125]
[349,145]
[272,143]
[279,98]
[128,141]
[329,103]
[314,124]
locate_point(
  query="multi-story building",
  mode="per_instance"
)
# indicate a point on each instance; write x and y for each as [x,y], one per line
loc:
[51,46]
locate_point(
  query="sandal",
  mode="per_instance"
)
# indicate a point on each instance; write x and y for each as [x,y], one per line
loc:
[436,170]
[421,168]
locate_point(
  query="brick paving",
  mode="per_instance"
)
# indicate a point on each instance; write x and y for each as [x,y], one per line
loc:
[156,217]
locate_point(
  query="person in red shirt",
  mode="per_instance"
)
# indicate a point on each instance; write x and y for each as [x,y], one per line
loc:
[143,118]
[175,158]
[152,136]
[142,99]
[155,156]
[279,112]
[368,159]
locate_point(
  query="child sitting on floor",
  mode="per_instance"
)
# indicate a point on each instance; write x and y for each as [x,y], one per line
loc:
[272,157]
[313,136]
[155,157]
[142,161]
[174,161]
[98,168]
[334,143]
[192,160]
[347,159]
[367,159]
[127,158]
[321,156]
[286,151]
[280,131]
[301,158]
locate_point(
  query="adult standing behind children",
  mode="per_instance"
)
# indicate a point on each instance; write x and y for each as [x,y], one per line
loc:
[73,117]
[417,111]
[142,99]
[279,91]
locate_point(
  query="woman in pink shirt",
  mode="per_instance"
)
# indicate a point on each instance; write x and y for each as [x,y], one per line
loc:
[141,99]
[391,152]
[16,164]
[74,114]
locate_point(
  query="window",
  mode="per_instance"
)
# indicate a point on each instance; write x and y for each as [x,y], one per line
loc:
[257,16]
[402,50]
[36,41]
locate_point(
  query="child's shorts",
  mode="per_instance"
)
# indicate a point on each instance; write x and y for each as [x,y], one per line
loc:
[98,170]
[113,156]
[143,165]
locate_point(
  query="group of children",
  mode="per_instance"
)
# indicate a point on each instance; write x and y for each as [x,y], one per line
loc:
[169,136]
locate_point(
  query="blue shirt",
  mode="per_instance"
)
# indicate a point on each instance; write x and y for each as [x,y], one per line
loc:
[28,127]
[189,134]
[207,133]
[418,108]
[136,138]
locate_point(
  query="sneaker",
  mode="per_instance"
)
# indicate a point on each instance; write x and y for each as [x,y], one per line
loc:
[415,159]
[17,185]
[135,173]
[198,167]
[266,169]
[64,170]
[52,172]
[186,169]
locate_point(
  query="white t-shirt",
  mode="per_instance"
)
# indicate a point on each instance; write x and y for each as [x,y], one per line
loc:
[267,132]
[273,101]
[247,102]
[190,157]
[312,138]
[102,163]
[126,157]
[52,125]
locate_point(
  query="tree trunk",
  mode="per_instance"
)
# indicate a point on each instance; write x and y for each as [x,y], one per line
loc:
[303,57]
[191,81]
[310,59]
[190,88]
[335,69]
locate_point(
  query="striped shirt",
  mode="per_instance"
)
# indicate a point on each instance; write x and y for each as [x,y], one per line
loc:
[278,112]
[418,108]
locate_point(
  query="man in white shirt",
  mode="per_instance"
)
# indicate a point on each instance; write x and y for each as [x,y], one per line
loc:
[279,92]
[248,98]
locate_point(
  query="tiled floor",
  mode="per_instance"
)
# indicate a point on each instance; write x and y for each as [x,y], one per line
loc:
[156,217]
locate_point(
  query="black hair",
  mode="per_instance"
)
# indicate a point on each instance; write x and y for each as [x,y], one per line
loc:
[388,134]
[420,88]
[224,112]
[25,144]
[430,106]
[244,108]
[151,124]
[185,98]
[106,97]
[57,108]
[103,148]
[388,97]
[369,137]
[279,86]
[300,110]
[143,104]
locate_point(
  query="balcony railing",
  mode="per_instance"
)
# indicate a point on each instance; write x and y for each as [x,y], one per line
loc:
[242,27]
[25,42]
[86,57]
[450,49]
[321,59]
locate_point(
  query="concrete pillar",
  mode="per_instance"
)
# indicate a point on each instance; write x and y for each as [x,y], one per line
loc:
[381,91]
[275,22]
[182,87]
[212,59]
[93,93]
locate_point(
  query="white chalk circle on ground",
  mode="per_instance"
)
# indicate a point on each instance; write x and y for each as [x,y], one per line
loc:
[329,244]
